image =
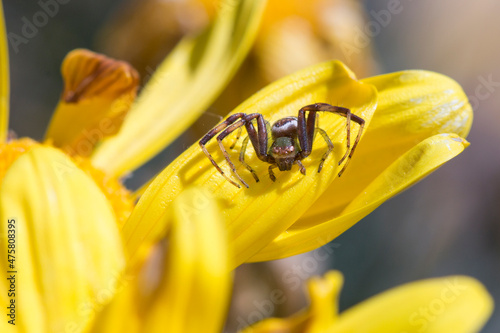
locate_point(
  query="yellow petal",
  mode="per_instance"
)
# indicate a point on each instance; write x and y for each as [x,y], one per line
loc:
[98,92]
[418,103]
[405,171]
[255,216]
[4,78]
[451,304]
[324,293]
[412,106]
[122,313]
[189,291]
[455,304]
[194,293]
[68,251]
[182,88]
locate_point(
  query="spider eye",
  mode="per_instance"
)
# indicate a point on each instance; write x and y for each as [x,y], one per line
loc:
[283,148]
[283,151]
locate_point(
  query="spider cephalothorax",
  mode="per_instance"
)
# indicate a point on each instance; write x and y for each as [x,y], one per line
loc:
[292,139]
[285,147]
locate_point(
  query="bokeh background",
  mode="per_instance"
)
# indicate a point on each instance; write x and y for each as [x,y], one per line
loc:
[447,224]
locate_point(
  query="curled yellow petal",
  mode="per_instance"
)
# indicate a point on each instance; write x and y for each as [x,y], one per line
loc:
[412,106]
[455,304]
[184,85]
[412,166]
[195,289]
[68,251]
[98,92]
[4,78]
[255,216]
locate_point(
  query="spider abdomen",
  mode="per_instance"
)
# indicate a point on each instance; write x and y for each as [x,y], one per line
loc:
[285,127]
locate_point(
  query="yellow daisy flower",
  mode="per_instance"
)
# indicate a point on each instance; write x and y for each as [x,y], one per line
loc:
[68,262]
[456,304]
[99,93]
[419,121]
[415,121]
[75,241]
[60,228]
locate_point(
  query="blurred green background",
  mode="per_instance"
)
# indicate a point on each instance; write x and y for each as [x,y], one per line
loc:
[447,224]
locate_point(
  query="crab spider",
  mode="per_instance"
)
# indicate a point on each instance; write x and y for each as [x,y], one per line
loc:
[292,139]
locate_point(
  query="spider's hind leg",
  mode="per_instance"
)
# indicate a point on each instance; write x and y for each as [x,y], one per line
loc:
[329,150]
[306,129]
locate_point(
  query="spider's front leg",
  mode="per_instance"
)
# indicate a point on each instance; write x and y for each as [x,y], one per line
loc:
[213,132]
[258,139]
[306,129]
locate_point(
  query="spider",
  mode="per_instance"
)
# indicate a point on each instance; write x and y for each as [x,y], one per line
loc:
[292,139]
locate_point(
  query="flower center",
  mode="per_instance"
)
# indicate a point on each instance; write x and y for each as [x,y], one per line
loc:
[119,197]
[10,151]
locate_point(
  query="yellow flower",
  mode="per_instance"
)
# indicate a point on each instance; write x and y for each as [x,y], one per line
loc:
[456,304]
[68,262]
[76,242]
[402,144]
[61,216]
[415,121]
[184,289]
[99,93]
[67,251]
[182,88]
